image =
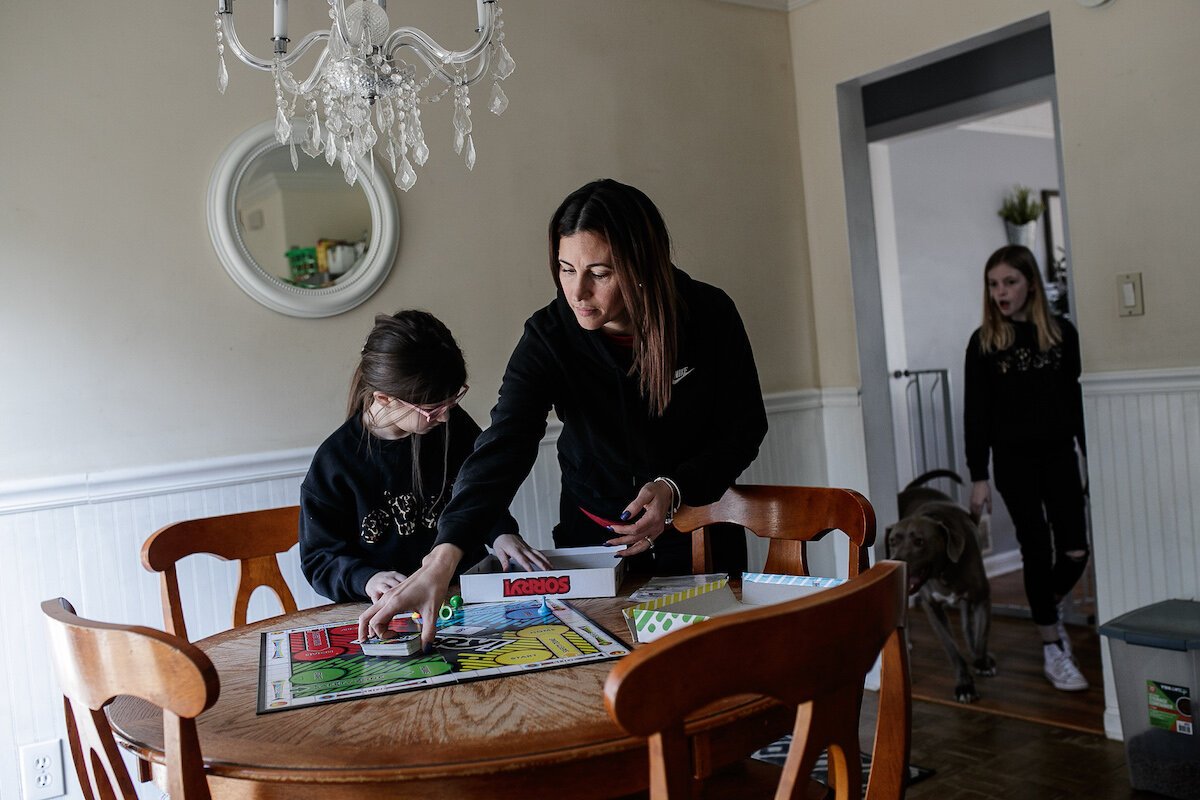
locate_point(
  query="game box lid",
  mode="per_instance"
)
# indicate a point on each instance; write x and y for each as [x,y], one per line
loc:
[575,572]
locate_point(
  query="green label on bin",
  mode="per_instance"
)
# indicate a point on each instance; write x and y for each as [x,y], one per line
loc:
[1170,707]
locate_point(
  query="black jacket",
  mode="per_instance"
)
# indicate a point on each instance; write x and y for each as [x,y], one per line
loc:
[610,444]
[359,513]
[1021,397]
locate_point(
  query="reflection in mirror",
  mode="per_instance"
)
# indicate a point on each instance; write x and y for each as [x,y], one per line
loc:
[301,242]
[305,226]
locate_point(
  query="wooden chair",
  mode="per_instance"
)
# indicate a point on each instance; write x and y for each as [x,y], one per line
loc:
[811,654]
[790,516]
[253,538]
[95,662]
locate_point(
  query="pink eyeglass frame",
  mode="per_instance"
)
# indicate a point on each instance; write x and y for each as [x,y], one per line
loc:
[432,413]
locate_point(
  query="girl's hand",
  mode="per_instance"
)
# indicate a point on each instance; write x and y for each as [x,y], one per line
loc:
[981,498]
[423,591]
[510,548]
[380,582]
[653,502]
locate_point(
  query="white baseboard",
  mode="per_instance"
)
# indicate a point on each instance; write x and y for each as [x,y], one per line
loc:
[1112,724]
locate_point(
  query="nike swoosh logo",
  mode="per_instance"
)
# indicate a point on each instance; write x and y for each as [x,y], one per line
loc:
[682,373]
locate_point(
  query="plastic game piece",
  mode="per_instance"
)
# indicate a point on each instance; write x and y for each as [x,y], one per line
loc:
[450,608]
[529,609]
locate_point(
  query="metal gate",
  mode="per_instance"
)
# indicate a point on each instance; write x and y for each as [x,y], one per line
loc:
[930,423]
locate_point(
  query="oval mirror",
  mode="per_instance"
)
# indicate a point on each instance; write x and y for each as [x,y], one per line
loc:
[300,241]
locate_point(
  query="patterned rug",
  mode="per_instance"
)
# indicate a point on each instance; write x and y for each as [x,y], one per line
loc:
[776,753]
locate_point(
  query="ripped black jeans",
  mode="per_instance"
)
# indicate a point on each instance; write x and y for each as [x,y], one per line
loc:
[1044,495]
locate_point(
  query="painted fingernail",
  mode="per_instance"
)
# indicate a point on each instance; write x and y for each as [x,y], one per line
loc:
[608,527]
[428,649]
[609,544]
[625,515]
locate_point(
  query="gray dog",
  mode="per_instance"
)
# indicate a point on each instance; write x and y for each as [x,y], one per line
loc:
[937,538]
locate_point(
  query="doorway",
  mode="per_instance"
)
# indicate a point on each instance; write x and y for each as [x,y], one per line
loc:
[930,147]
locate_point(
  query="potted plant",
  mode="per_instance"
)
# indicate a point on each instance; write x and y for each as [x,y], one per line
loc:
[1020,212]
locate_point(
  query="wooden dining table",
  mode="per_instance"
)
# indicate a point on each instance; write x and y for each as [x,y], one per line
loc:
[535,734]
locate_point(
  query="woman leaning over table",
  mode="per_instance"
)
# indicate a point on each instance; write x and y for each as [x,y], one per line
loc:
[650,372]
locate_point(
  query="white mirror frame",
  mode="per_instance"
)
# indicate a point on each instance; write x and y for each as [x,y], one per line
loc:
[268,289]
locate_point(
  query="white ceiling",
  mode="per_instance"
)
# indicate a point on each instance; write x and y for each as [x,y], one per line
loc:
[1035,121]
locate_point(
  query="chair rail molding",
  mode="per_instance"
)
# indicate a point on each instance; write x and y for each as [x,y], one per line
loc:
[1147,381]
[123,484]
[771,5]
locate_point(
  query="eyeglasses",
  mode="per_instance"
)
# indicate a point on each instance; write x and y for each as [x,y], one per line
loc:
[430,414]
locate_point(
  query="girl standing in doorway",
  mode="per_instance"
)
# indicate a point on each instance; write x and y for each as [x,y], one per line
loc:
[1023,403]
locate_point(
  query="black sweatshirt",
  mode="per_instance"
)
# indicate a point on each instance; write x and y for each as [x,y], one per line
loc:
[1022,397]
[359,513]
[610,444]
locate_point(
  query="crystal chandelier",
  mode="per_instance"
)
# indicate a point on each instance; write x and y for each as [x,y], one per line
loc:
[361,90]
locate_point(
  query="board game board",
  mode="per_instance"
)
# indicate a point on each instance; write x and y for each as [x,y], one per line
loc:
[317,664]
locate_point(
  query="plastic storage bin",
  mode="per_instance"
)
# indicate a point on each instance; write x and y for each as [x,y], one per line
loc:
[1156,665]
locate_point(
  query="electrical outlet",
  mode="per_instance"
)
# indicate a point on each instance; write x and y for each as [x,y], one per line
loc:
[42,770]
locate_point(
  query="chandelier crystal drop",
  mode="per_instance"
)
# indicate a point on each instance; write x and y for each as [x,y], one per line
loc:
[364,91]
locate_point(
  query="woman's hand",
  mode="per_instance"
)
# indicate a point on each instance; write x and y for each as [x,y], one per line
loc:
[423,591]
[510,548]
[653,502]
[380,582]
[981,498]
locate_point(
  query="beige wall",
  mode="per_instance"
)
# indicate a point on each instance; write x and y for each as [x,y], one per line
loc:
[125,343]
[1126,78]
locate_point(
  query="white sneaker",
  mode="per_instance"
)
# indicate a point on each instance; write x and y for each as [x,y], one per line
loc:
[1061,670]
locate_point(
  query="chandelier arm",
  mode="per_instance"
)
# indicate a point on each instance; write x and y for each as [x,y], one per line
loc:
[305,43]
[438,69]
[305,86]
[266,65]
[433,53]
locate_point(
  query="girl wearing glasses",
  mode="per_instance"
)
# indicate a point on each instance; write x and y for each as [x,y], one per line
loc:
[652,376]
[370,502]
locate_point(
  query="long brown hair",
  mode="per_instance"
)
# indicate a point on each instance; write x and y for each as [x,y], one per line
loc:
[412,356]
[997,332]
[641,249]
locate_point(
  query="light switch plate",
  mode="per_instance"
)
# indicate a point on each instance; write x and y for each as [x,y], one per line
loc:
[1129,295]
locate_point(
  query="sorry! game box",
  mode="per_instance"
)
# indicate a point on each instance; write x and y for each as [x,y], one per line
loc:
[316,664]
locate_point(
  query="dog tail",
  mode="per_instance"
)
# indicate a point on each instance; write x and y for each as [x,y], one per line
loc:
[933,475]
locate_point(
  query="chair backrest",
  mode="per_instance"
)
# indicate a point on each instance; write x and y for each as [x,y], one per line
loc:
[790,516]
[253,538]
[95,662]
[811,654]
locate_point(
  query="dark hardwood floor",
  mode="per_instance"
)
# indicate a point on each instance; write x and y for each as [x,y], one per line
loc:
[978,756]
[1024,738]
[1019,689]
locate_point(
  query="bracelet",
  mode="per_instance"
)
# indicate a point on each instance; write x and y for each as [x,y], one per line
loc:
[676,497]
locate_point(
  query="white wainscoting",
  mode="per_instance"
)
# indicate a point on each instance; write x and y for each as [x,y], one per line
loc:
[1143,431]
[79,537]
